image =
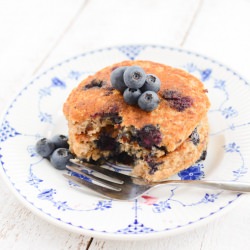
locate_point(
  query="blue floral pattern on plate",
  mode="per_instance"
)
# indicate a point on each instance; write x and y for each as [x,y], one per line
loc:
[44,190]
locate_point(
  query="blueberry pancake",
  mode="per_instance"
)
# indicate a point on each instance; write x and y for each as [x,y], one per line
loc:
[103,124]
[192,150]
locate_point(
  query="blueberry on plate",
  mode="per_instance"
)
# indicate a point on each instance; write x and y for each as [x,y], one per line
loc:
[60,141]
[148,101]
[116,79]
[152,83]
[131,96]
[134,77]
[60,158]
[44,147]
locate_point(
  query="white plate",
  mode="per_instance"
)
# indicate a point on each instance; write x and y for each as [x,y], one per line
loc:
[37,112]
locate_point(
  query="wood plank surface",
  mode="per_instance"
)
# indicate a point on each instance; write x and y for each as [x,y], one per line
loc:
[37,34]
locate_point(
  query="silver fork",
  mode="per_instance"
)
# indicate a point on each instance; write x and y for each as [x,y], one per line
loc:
[114,185]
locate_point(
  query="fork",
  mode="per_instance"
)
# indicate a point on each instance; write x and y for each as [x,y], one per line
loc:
[114,185]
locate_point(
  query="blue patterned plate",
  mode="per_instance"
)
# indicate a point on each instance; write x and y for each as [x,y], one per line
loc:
[37,112]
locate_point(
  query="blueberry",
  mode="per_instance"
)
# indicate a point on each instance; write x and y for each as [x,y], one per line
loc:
[153,165]
[176,100]
[134,77]
[149,136]
[60,158]
[203,156]
[95,84]
[194,137]
[116,79]
[152,83]
[44,147]
[131,96]
[60,141]
[148,101]
[106,142]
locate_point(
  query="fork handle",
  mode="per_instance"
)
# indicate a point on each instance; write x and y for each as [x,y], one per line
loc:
[242,187]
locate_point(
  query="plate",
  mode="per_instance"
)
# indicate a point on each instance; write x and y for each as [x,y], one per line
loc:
[37,112]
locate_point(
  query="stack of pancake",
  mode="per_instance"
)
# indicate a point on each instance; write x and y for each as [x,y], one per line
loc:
[156,144]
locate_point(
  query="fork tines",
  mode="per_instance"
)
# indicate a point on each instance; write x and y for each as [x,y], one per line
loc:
[96,175]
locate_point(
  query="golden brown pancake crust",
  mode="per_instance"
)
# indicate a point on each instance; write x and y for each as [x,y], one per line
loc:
[94,95]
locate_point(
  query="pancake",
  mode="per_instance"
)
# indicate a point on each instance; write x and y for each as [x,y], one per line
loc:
[101,125]
[188,153]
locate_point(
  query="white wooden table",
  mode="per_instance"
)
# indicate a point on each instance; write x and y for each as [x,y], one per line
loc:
[37,34]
